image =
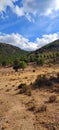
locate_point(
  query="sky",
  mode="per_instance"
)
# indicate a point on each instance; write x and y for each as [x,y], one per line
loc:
[29,24]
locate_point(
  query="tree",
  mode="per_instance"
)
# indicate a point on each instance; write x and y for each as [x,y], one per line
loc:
[19,64]
[16,65]
[4,63]
[22,64]
[40,61]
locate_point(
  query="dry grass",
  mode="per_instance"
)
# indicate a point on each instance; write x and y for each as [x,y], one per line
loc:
[42,108]
[52,99]
[20,111]
[24,89]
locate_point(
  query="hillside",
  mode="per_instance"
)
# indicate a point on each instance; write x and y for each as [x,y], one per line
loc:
[39,111]
[51,47]
[29,98]
[10,52]
[49,52]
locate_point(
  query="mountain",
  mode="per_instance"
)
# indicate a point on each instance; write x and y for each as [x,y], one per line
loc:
[49,52]
[7,49]
[9,52]
[51,47]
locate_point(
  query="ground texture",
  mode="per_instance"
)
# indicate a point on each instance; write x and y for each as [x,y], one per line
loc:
[17,110]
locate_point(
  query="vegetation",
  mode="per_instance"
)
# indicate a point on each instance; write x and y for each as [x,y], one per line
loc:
[40,61]
[18,65]
[42,108]
[45,55]
[22,64]
[44,81]
[24,89]
[32,106]
[41,81]
[4,63]
[10,53]
[52,99]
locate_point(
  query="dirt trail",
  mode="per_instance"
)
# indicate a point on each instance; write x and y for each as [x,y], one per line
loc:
[13,114]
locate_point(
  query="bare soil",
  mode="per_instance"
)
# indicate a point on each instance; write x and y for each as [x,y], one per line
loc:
[22,112]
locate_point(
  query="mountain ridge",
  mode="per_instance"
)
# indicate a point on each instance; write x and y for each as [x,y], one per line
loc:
[9,52]
[53,46]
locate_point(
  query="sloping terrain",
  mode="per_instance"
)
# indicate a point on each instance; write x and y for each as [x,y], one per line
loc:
[17,111]
[9,52]
[49,53]
[51,47]
[7,49]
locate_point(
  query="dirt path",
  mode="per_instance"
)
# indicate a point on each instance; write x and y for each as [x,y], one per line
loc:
[13,114]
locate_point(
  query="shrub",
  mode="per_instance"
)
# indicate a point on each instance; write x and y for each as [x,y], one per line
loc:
[55,79]
[41,80]
[52,99]
[32,58]
[4,63]
[49,83]
[28,92]
[22,64]
[40,61]
[16,65]
[24,89]
[31,107]
[41,109]
[20,86]
[36,109]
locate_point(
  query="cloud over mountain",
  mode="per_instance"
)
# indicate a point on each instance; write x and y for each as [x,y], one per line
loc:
[24,43]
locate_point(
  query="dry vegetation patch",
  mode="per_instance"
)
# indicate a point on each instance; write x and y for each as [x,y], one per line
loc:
[24,89]
[42,108]
[52,99]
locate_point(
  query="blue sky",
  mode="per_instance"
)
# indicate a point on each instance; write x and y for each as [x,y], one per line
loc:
[29,24]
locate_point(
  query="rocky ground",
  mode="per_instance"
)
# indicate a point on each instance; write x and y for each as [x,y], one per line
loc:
[22,112]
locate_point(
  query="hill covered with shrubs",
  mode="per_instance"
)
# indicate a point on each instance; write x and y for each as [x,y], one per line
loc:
[45,55]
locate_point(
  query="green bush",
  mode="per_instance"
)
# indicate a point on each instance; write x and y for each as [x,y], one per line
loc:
[16,65]
[4,63]
[24,89]
[41,81]
[19,64]
[22,64]
[40,61]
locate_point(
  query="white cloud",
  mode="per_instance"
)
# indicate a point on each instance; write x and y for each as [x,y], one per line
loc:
[24,43]
[3,6]
[38,7]
[5,3]
[17,40]
[34,7]
[47,39]
[18,11]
